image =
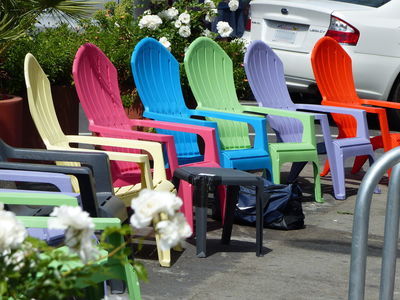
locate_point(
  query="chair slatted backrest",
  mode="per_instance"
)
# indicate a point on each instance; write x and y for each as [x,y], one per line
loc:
[209,70]
[157,79]
[265,74]
[41,104]
[333,73]
[96,81]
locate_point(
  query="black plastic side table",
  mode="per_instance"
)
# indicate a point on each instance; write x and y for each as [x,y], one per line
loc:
[204,178]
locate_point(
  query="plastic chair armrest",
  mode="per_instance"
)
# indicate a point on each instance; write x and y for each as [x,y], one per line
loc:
[42,222]
[373,110]
[183,120]
[381,103]
[359,114]
[18,198]
[153,148]
[306,119]
[207,134]
[259,124]
[168,140]
[98,162]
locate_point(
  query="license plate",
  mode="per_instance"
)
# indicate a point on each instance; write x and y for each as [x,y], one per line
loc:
[287,36]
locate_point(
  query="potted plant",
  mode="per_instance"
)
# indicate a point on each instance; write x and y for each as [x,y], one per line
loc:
[16,19]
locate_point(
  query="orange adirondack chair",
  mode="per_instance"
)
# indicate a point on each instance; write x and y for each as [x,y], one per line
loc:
[334,76]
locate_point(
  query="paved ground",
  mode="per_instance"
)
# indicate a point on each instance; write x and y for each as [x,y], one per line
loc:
[312,263]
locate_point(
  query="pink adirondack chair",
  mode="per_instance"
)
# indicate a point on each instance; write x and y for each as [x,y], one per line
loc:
[96,82]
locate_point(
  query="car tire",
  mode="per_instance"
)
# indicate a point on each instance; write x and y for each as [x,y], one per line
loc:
[394,114]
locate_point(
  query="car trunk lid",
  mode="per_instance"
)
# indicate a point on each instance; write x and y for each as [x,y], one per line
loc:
[294,26]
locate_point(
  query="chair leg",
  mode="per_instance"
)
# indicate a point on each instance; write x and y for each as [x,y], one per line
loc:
[371,159]
[326,169]
[201,193]
[186,193]
[232,198]
[222,198]
[317,182]
[276,170]
[339,178]
[132,282]
[164,256]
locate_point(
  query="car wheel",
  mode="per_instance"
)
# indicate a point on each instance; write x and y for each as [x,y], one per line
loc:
[394,114]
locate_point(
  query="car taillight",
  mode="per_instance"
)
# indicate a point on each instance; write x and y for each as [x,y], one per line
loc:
[247,27]
[343,32]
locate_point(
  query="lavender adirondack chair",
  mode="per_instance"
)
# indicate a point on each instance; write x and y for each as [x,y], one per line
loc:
[265,73]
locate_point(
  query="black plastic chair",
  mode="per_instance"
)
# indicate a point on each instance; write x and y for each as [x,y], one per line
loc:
[206,179]
[97,193]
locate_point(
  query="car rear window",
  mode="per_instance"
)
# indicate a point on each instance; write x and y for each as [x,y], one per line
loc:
[372,3]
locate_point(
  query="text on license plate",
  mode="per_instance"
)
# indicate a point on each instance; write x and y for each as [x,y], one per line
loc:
[287,36]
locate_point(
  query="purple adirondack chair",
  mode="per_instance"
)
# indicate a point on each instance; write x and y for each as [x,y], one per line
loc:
[265,73]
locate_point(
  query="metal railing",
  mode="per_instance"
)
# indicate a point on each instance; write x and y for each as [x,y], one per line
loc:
[390,159]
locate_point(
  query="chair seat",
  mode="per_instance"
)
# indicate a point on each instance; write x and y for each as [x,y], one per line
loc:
[351,142]
[245,153]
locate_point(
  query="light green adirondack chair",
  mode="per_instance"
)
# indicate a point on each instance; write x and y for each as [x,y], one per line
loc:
[114,268]
[210,73]
[44,116]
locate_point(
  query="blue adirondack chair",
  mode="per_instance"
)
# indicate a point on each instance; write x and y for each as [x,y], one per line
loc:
[265,73]
[157,79]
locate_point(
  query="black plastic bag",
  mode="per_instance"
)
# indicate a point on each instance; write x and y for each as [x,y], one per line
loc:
[282,206]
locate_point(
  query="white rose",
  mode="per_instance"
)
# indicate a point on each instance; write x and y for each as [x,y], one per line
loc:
[224,30]
[150,203]
[209,3]
[173,232]
[233,5]
[177,24]
[151,22]
[164,41]
[184,18]
[171,13]
[79,230]
[12,231]
[184,31]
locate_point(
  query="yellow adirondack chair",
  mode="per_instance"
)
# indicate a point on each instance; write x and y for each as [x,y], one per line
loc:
[44,116]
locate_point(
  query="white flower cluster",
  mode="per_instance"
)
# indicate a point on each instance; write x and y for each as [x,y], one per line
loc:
[223,28]
[233,5]
[79,230]
[164,41]
[210,17]
[173,231]
[12,231]
[151,22]
[149,204]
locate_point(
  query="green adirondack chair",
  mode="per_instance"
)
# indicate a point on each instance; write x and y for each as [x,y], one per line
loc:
[210,73]
[115,269]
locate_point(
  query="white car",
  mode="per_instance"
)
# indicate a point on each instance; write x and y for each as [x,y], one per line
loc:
[369,30]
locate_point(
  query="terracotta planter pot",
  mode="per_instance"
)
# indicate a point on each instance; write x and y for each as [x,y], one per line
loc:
[11,125]
[66,104]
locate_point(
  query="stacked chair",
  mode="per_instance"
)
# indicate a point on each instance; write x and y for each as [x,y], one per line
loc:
[116,268]
[43,113]
[97,86]
[210,74]
[334,76]
[265,73]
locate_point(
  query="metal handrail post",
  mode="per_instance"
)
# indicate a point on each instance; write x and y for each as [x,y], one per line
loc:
[361,220]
